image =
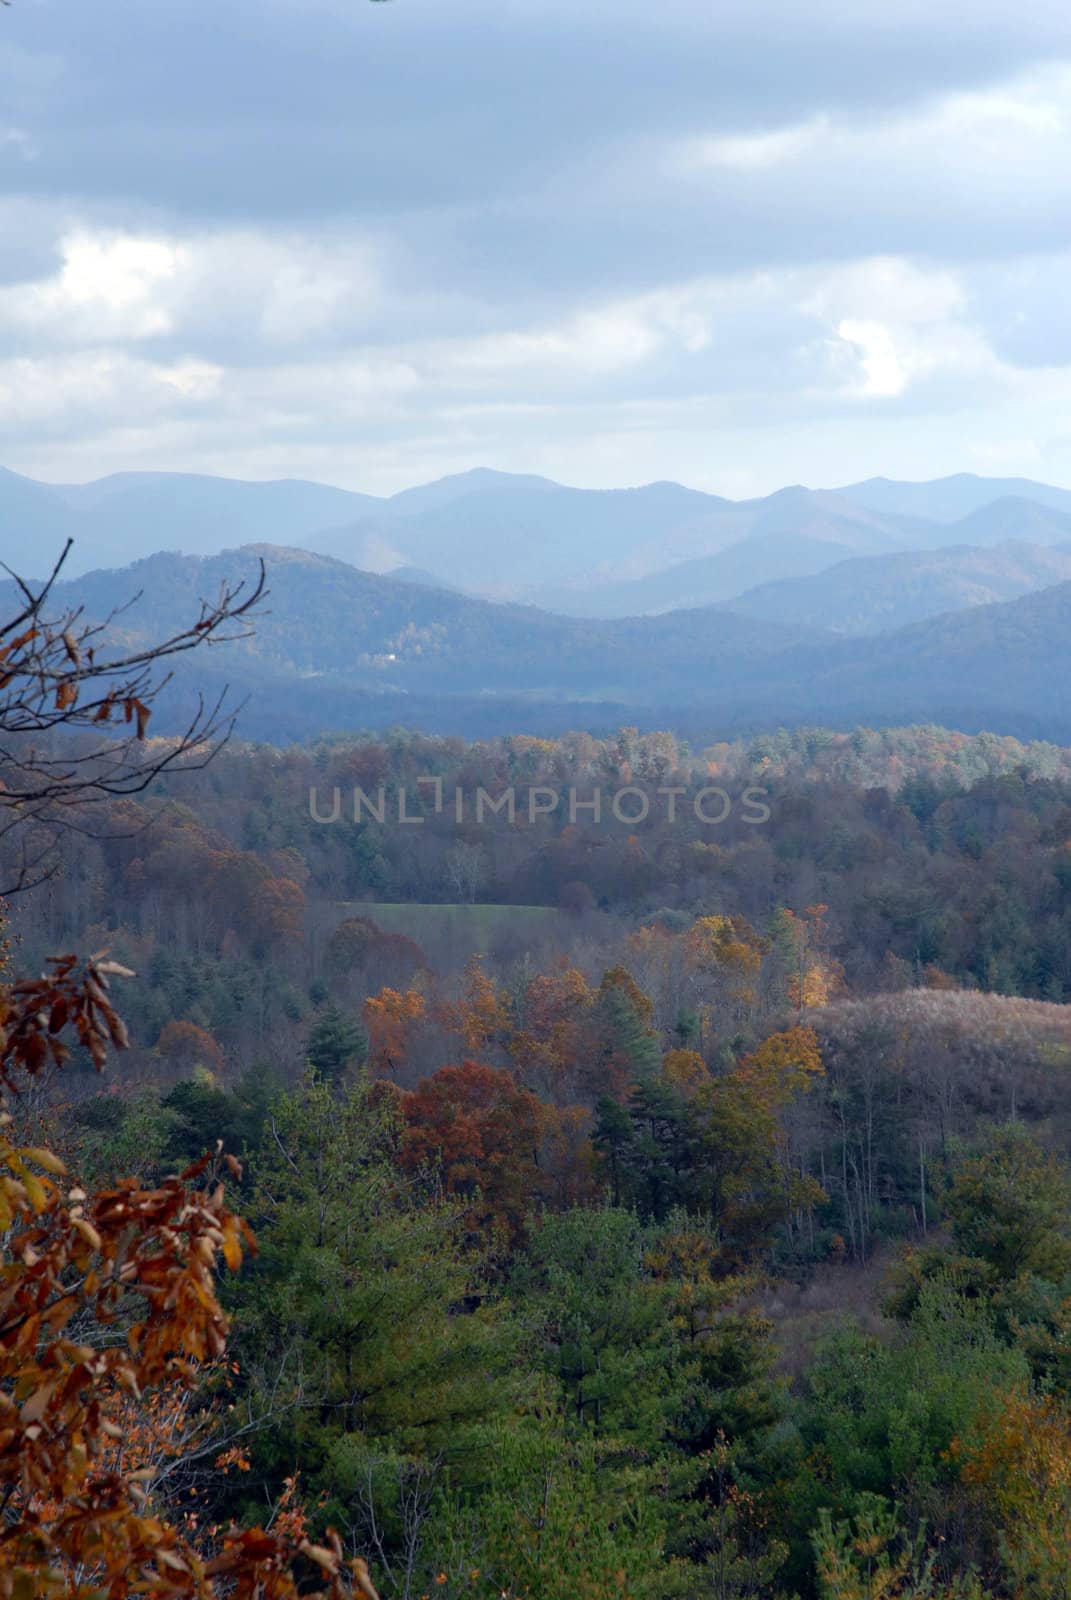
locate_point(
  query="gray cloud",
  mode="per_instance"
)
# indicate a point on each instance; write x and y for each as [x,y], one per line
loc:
[738,244]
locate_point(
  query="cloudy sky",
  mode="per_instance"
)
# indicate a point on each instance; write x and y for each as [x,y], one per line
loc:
[740,243]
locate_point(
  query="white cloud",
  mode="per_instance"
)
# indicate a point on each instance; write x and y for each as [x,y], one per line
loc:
[736,243]
[737,350]
[47,396]
[113,274]
[966,152]
[619,335]
[107,286]
[265,354]
[751,152]
[890,288]
[197,380]
[833,336]
[894,325]
[132,286]
[884,373]
[1034,106]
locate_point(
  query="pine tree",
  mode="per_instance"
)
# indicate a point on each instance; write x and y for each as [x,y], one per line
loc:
[334,1043]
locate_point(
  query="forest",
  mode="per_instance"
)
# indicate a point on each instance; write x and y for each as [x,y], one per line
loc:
[664,1207]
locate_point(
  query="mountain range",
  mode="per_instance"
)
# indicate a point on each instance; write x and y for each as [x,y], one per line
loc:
[337,648]
[325,620]
[601,553]
[950,499]
[122,518]
[871,594]
[879,602]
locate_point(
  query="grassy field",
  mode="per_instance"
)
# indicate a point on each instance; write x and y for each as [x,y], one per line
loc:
[474,928]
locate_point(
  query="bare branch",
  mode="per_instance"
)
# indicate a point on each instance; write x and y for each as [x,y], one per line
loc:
[75,712]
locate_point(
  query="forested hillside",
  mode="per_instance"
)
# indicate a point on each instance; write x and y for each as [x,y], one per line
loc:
[675,1191]
[335,647]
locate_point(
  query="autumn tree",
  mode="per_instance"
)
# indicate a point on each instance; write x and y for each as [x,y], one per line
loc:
[183,1047]
[77,1268]
[481,1017]
[547,1043]
[392,1018]
[685,1070]
[492,1143]
[724,956]
[717,1145]
[755,1182]
[1021,1468]
[814,975]
[361,957]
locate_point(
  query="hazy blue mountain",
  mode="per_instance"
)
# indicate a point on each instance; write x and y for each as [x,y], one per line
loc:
[35,523]
[1015,517]
[704,581]
[871,594]
[479,480]
[821,514]
[337,648]
[133,514]
[506,536]
[324,618]
[515,537]
[532,540]
[950,499]
[999,667]
[180,498]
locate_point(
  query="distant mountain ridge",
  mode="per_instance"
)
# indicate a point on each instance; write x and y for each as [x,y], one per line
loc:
[323,618]
[130,515]
[872,594]
[1001,668]
[519,537]
[767,557]
[950,499]
[706,580]
[337,649]
[541,542]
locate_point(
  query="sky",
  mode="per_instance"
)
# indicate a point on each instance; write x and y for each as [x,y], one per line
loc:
[737,243]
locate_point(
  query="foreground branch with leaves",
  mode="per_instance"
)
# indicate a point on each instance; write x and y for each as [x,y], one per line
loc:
[105,1299]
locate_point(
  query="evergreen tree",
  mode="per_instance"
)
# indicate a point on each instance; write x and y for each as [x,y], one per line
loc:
[363,1333]
[334,1043]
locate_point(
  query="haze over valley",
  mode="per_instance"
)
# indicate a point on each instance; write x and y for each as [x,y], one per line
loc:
[965,598]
